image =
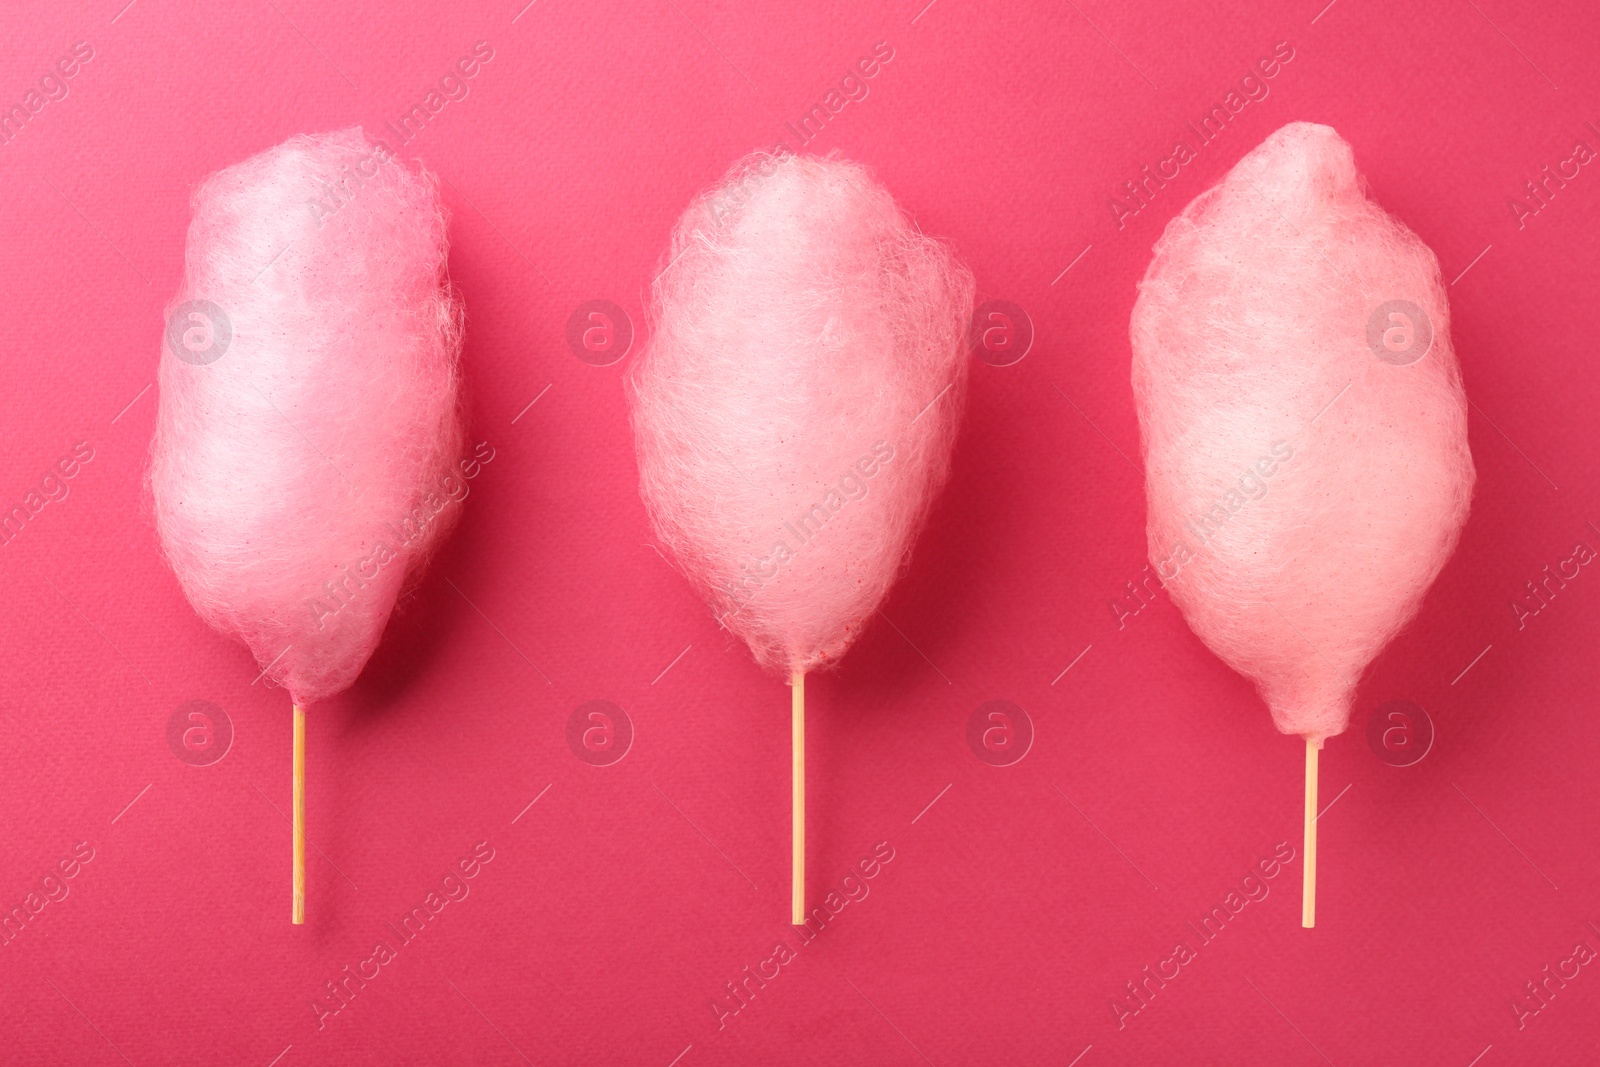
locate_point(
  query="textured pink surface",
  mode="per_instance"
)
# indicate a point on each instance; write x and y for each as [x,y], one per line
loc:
[1016,906]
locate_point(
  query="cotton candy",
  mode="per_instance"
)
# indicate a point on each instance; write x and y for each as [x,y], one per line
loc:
[303,463]
[796,404]
[1305,439]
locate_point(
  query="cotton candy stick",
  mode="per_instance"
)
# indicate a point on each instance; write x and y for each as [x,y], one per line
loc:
[309,419]
[795,407]
[1304,429]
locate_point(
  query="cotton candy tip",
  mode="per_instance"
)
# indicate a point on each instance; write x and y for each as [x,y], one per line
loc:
[1313,706]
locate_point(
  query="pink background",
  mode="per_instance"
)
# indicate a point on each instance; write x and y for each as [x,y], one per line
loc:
[615,908]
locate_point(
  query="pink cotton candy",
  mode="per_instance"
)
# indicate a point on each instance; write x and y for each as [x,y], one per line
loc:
[303,462]
[795,409]
[1305,439]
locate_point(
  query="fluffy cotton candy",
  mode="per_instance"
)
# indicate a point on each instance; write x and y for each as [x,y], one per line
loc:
[1307,472]
[302,475]
[796,405]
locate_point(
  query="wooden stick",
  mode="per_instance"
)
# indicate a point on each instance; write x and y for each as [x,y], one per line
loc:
[1308,872]
[298,915]
[797,682]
